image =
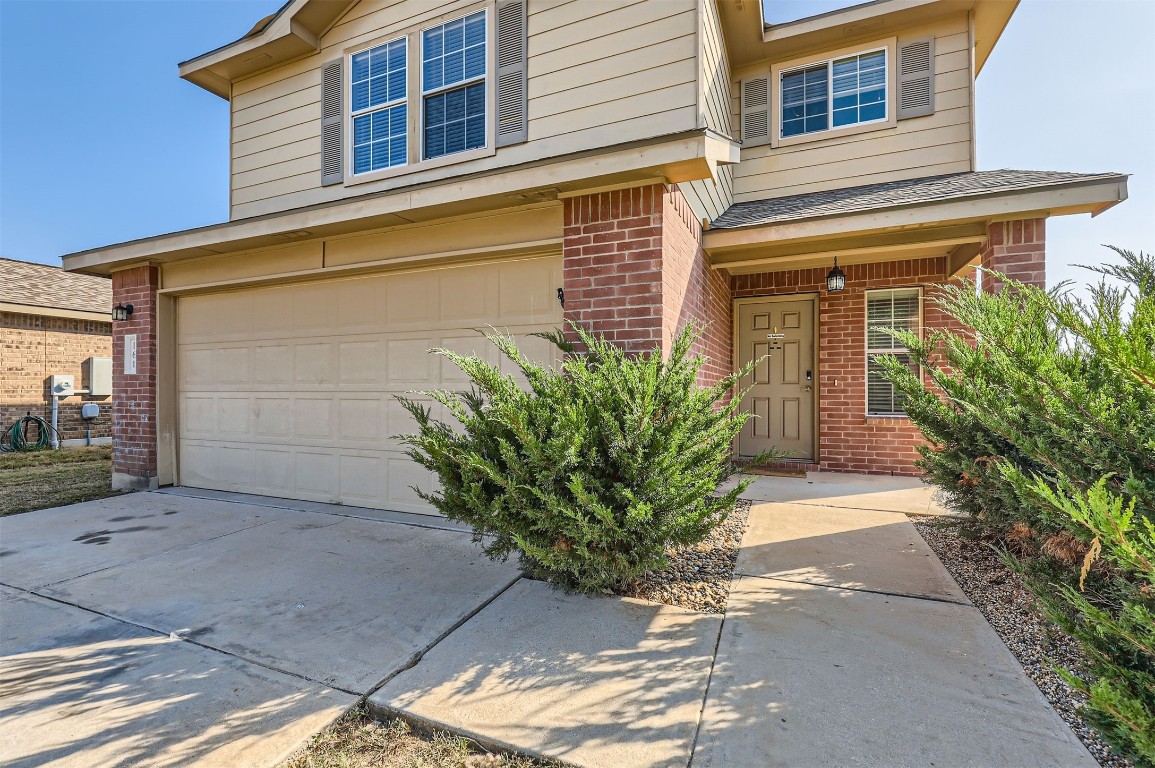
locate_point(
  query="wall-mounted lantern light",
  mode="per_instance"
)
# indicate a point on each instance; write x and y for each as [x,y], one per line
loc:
[835,278]
[121,312]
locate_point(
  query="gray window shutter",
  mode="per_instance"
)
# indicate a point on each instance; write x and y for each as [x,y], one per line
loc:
[916,78]
[332,145]
[756,111]
[512,88]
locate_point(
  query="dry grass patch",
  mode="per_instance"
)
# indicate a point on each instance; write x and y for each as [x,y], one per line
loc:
[41,479]
[359,741]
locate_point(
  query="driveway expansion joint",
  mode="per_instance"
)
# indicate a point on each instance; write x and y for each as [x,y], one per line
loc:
[178,635]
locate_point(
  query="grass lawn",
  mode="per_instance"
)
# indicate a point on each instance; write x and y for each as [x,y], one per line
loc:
[358,741]
[40,479]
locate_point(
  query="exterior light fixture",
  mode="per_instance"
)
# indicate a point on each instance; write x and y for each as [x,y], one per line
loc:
[835,279]
[121,312]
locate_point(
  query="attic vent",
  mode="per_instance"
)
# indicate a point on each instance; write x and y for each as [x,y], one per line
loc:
[755,111]
[512,95]
[916,78]
[332,160]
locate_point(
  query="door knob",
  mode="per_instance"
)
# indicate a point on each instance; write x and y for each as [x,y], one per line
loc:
[806,389]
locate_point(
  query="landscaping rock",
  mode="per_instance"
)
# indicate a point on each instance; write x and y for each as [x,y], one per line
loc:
[698,577]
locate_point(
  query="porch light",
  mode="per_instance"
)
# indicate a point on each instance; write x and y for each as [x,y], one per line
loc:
[121,312]
[835,279]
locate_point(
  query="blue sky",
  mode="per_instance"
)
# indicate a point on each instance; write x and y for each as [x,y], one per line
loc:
[101,142]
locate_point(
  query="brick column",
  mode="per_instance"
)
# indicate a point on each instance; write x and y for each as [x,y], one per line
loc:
[635,273]
[134,427]
[1017,249]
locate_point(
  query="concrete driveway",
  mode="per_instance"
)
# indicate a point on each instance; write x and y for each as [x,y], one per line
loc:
[170,629]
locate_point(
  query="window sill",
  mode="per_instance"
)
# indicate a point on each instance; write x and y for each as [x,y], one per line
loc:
[424,165]
[837,133]
[888,420]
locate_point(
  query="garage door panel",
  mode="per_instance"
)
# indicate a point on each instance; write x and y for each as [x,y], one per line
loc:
[272,313]
[360,420]
[361,362]
[272,417]
[231,365]
[296,384]
[468,297]
[409,303]
[233,416]
[409,364]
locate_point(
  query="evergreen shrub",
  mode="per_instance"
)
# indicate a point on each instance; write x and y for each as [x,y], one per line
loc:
[587,472]
[1041,422]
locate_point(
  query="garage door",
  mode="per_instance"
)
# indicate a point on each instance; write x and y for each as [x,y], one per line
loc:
[288,390]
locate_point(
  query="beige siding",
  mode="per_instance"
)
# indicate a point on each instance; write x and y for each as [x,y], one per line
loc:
[709,197]
[922,146]
[600,73]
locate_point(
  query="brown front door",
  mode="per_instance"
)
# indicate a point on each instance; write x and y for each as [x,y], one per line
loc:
[782,385]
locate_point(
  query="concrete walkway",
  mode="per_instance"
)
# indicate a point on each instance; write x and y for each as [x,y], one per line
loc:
[846,642]
[197,628]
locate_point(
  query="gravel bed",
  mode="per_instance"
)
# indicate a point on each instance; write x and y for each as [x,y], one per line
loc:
[697,577]
[999,594]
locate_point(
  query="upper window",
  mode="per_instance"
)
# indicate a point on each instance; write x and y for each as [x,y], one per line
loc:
[834,94]
[379,107]
[887,309]
[453,58]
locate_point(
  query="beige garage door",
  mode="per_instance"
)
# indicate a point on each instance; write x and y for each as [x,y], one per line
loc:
[288,390]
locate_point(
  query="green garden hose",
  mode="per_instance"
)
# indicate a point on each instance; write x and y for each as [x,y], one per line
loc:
[15,438]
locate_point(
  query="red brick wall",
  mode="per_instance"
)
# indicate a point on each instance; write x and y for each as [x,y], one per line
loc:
[692,292]
[1018,250]
[134,423]
[635,272]
[34,347]
[849,440]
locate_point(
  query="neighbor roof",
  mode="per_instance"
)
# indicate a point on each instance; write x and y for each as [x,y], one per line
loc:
[41,285]
[896,194]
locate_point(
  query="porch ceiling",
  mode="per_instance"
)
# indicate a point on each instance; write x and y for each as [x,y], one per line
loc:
[854,249]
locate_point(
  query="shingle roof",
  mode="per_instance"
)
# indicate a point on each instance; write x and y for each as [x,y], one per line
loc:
[41,285]
[893,194]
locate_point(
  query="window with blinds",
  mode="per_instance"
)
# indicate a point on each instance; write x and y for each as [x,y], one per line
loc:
[453,83]
[378,105]
[435,95]
[892,309]
[836,93]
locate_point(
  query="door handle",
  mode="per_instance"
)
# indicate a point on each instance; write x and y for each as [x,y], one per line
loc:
[807,388]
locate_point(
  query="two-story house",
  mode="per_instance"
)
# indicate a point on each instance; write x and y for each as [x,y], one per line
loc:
[406,171]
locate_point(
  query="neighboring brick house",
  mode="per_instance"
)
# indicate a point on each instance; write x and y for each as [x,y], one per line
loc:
[403,173]
[52,322]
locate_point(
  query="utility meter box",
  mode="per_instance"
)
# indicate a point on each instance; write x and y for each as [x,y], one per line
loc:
[99,376]
[62,385]
[90,410]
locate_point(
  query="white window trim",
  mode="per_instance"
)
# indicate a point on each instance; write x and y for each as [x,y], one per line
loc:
[490,65]
[348,65]
[889,45]
[868,351]
[415,98]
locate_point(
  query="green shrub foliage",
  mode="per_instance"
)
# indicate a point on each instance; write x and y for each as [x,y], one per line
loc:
[590,471]
[1041,418]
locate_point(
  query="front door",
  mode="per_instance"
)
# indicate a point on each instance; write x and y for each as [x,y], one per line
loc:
[780,390]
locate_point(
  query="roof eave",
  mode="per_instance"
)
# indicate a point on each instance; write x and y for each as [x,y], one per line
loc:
[1092,196]
[294,31]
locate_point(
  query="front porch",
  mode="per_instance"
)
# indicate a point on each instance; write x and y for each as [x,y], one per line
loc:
[817,393]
